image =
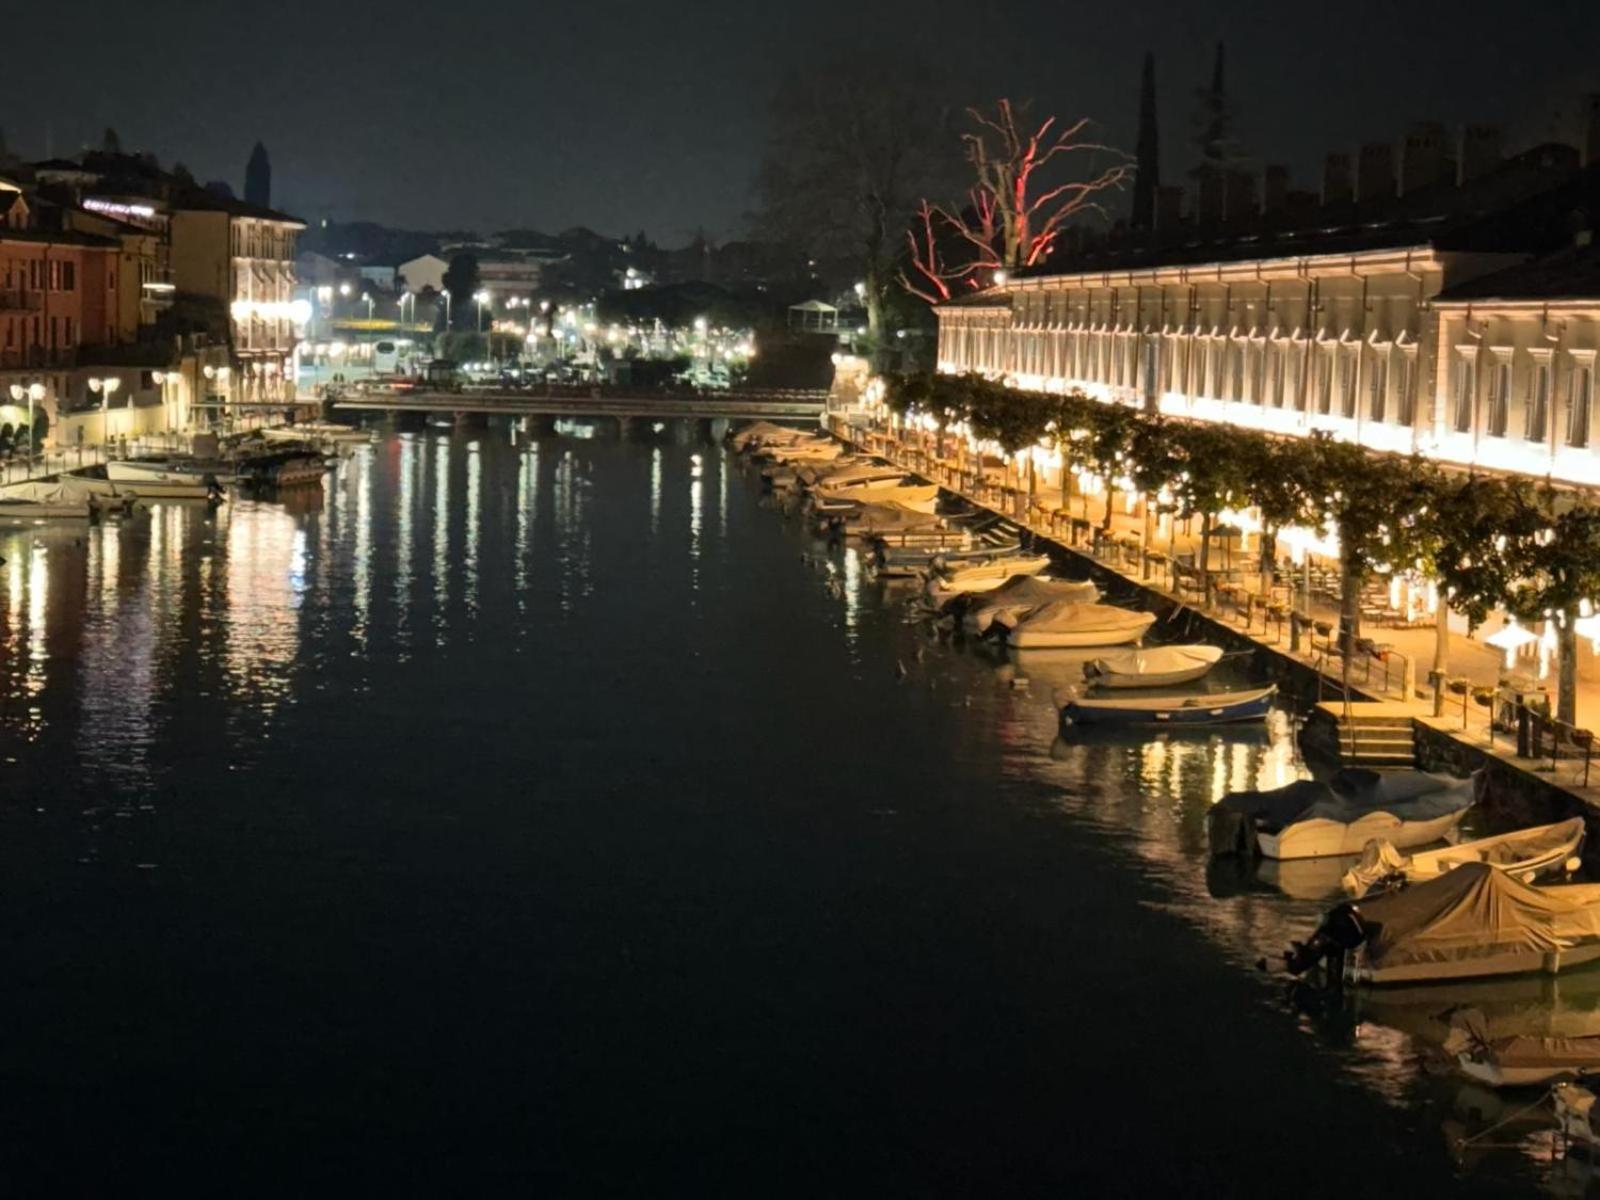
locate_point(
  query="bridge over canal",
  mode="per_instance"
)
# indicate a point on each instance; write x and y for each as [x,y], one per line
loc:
[748,404]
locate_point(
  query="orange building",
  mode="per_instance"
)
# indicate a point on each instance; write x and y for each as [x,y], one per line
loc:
[57,294]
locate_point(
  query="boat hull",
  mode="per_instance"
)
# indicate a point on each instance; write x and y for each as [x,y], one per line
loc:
[1321,838]
[1521,962]
[1188,711]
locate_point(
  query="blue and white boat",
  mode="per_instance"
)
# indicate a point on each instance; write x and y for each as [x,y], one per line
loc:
[1217,708]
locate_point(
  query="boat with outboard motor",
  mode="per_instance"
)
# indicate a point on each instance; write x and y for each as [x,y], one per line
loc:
[1473,922]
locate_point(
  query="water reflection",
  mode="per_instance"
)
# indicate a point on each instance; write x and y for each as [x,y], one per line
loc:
[441,533]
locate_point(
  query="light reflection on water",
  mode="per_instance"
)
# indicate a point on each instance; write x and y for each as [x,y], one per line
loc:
[140,653]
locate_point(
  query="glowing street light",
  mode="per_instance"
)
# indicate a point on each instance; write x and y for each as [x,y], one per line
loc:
[103,388]
[404,296]
[481,299]
[34,392]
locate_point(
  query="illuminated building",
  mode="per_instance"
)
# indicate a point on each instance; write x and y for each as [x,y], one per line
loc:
[243,256]
[1465,340]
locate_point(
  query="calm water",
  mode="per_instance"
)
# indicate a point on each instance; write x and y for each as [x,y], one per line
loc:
[555,817]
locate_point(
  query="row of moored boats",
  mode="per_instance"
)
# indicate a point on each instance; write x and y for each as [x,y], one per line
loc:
[1417,913]
[284,457]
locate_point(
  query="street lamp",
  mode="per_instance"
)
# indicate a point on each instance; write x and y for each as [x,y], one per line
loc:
[344,289]
[404,296]
[103,388]
[367,296]
[481,298]
[33,392]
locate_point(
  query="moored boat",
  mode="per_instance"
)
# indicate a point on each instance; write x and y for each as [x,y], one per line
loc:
[171,478]
[1068,624]
[1021,595]
[947,582]
[36,500]
[1154,666]
[1473,922]
[1219,708]
[1525,853]
[1308,819]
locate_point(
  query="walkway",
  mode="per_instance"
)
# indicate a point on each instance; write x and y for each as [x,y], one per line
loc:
[1393,665]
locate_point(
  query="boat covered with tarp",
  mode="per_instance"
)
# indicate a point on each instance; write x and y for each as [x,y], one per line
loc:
[1021,595]
[1065,624]
[1311,818]
[890,517]
[1526,853]
[1470,923]
[948,580]
[1153,666]
[40,499]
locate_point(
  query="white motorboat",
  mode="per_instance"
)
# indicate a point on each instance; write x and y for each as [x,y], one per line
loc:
[158,477]
[1021,595]
[1153,666]
[1311,819]
[945,583]
[1473,922]
[1525,853]
[36,500]
[1068,624]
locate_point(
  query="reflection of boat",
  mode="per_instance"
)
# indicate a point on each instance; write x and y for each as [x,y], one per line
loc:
[1155,666]
[1526,853]
[1075,737]
[1517,1060]
[1470,923]
[1063,623]
[317,432]
[1312,819]
[1220,708]
[1021,595]
[1566,1005]
[1302,878]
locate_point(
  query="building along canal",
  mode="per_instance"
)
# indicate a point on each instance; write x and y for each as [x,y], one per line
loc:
[560,813]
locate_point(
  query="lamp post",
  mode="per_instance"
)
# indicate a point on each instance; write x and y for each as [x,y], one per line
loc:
[404,296]
[446,294]
[481,298]
[103,387]
[367,296]
[32,393]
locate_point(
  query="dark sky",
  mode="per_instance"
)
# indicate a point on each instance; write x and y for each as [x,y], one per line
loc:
[630,114]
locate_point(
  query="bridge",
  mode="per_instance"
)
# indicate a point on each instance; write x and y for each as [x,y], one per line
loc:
[771,404]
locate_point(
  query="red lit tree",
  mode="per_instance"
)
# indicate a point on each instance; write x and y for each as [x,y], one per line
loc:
[1018,203]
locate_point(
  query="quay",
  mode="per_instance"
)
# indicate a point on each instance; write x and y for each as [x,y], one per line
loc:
[1392,712]
[772,404]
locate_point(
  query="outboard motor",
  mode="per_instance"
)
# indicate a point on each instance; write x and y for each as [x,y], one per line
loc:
[1341,932]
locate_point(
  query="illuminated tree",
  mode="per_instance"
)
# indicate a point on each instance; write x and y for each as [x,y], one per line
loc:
[1017,205]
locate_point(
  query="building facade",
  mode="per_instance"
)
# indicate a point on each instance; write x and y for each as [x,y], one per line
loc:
[244,257]
[1408,349]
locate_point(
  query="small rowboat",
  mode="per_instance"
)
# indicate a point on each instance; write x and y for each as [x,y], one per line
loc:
[1220,708]
[1158,666]
[948,582]
[1525,853]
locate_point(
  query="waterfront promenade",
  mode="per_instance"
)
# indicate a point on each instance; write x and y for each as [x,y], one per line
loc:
[1392,666]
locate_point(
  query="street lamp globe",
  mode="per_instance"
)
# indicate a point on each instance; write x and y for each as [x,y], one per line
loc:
[36,391]
[18,392]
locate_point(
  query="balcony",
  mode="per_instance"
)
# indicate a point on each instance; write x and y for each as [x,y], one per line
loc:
[21,300]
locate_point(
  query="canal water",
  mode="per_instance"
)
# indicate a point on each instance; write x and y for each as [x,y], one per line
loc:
[560,816]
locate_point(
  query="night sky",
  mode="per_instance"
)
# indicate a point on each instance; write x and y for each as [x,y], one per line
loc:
[631,115]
